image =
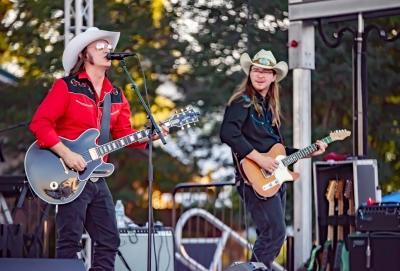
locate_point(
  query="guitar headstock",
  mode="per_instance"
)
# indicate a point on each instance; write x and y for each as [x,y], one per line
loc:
[331,190]
[348,191]
[185,117]
[339,134]
[339,190]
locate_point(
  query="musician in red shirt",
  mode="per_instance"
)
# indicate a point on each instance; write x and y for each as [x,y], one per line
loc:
[74,105]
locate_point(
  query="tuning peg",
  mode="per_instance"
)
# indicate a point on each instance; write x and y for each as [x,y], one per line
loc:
[194,124]
[182,128]
[182,110]
[187,107]
[188,126]
[176,111]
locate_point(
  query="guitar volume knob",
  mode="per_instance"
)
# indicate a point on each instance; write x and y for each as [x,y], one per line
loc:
[53,185]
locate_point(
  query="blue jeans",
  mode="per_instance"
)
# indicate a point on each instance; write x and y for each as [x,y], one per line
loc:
[269,218]
[93,209]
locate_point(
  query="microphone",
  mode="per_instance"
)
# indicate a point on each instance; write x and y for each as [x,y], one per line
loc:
[119,56]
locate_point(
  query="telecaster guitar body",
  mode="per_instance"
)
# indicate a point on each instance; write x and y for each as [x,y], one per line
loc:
[264,183]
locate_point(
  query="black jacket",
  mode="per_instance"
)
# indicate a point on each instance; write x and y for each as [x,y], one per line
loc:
[244,130]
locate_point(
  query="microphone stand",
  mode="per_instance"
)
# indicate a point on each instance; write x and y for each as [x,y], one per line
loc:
[21,124]
[15,126]
[153,126]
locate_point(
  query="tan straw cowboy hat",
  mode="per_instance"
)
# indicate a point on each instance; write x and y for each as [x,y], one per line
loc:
[79,42]
[264,59]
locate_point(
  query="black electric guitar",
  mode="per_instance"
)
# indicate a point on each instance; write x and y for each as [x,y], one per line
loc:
[54,182]
[328,245]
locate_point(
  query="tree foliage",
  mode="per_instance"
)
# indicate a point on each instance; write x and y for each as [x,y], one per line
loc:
[34,42]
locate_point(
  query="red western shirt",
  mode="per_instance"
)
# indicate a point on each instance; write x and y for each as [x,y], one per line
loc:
[72,106]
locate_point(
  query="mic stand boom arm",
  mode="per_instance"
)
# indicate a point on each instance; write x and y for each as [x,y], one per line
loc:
[153,125]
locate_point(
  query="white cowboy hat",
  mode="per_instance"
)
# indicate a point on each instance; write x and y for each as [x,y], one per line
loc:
[78,43]
[264,59]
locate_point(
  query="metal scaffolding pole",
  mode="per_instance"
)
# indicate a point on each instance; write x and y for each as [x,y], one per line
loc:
[301,61]
[78,15]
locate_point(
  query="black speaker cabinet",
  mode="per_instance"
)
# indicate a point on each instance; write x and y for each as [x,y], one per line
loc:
[249,266]
[22,264]
[384,251]
[133,249]
[363,173]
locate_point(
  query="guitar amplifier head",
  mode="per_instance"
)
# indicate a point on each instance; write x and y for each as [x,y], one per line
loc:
[378,217]
[133,249]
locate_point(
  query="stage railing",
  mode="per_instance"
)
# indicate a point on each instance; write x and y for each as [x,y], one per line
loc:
[210,231]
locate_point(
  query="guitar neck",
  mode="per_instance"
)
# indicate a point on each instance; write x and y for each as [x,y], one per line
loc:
[352,213]
[293,158]
[340,212]
[125,141]
[331,212]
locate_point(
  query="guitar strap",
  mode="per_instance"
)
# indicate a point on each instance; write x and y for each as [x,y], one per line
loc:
[241,170]
[105,120]
[280,136]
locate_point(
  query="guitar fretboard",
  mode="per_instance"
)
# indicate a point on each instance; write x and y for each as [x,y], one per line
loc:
[340,212]
[331,212]
[294,157]
[121,142]
[352,213]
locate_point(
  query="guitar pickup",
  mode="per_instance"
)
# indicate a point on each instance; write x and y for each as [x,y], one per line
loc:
[101,172]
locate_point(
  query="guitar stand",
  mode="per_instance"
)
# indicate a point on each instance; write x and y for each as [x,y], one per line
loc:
[19,201]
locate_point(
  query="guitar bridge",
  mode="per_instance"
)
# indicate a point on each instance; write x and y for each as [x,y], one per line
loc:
[270,185]
[93,154]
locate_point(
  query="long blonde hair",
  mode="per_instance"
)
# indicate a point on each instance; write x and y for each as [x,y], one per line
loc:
[246,88]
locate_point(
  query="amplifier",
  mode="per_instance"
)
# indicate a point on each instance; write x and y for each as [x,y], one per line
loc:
[384,251]
[133,249]
[378,217]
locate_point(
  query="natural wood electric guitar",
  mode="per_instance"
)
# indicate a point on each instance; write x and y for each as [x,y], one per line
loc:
[266,184]
[340,263]
[328,245]
[348,193]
